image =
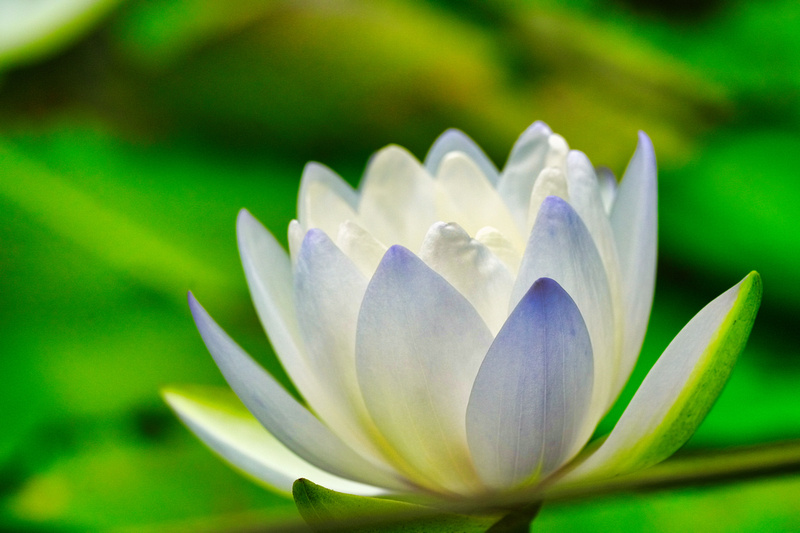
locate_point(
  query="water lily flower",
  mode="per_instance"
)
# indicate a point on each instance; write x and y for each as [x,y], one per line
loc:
[457,331]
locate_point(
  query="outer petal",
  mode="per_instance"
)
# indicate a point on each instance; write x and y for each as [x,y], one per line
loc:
[220,420]
[681,387]
[269,275]
[281,415]
[398,200]
[561,248]
[634,221]
[472,269]
[418,349]
[531,396]
[325,199]
[454,140]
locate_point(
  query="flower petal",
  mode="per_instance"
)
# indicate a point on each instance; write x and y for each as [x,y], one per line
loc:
[418,348]
[531,396]
[475,196]
[585,198]
[398,200]
[472,269]
[526,161]
[550,182]
[328,291]
[681,387]
[608,187]
[635,225]
[360,246]
[220,420]
[561,248]
[501,247]
[281,415]
[269,276]
[325,199]
[536,149]
[454,140]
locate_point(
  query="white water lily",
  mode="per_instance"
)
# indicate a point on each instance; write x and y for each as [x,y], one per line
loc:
[456,330]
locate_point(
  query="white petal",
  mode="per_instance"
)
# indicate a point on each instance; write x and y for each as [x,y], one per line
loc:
[501,247]
[269,276]
[328,292]
[585,198]
[472,269]
[225,426]
[281,415]
[531,396]
[608,187]
[527,159]
[398,201]
[454,140]
[681,387]
[295,236]
[360,246]
[551,182]
[561,248]
[635,226]
[419,345]
[325,199]
[476,197]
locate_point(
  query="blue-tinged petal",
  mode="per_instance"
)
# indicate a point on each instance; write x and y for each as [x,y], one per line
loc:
[282,415]
[220,420]
[560,247]
[328,292]
[635,226]
[454,140]
[398,198]
[472,269]
[681,387]
[325,200]
[531,396]
[418,348]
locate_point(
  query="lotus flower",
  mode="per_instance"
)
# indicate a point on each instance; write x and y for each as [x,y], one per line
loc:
[457,331]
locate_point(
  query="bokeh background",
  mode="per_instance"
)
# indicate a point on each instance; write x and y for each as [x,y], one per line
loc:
[131,132]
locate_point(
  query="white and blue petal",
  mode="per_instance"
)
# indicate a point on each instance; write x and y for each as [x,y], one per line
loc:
[291,423]
[531,396]
[418,349]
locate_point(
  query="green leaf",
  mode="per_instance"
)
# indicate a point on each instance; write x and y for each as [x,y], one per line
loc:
[324,510]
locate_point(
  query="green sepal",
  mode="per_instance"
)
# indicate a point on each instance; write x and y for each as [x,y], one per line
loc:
[327,510]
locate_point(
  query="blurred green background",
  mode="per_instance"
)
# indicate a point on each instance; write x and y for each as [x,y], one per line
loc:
[131,132]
